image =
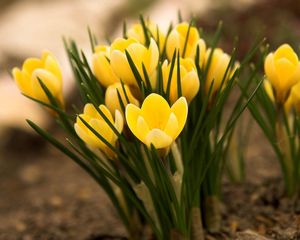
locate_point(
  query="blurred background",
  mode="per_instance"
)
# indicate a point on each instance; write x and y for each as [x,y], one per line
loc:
[43,195]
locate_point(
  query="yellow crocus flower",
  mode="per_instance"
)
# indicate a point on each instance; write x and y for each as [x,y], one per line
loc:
[217,69]
[95,120]
[47,70]
[178,39]
[137,32]
[112,100]
[101,66]
[189,79]
[156,122]
[139,54]
[282,69]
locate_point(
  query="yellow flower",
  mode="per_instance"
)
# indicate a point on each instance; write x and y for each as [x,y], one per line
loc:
[95,120]
[112,100]
[156,122]
[178,39]
[282,69]
[137,32]
[217,69]
[189,79]
[101,66]
[139,54]
[47,70]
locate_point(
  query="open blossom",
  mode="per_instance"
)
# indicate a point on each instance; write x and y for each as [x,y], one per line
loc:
[189,79]
[282,69]
[112,100]
[139,54]
[156,122]
[185,38]
[217,69]
[95,120]
[101,66]
[137,32]
[45,69]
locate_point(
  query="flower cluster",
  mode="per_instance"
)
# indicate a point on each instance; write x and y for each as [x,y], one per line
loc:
[151,131]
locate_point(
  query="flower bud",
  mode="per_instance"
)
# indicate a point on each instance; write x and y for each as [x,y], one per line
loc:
[282,69]
[217,69]
[185,38]
[139,54]
[112,100]
[95,120]
[46,70]
[189,79]
[101,66]
[137,32]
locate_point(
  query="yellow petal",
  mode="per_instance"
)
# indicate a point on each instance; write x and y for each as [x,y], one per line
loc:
[23,84]
[91,111]
[106,112]
[121,67]
[285,51]
[103,70]
[53,84]
[190,86]
[52,66]
[284,70]
[156,111]
[202,51]
[180,109]
[153,56]
[119,121]
[295,78]
[103,129]
[132,113]
[112,100]
[121,44]
[84,135]
[30,64]
[158,138]
[142,129]
[171,128]
[269,89]
[173,44]
[270,70]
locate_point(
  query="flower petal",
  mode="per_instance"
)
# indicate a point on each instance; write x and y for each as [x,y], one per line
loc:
[132,113]
[287,52]
[171,128]
[180,109]
[121,67]
[158,138]
[156,111]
